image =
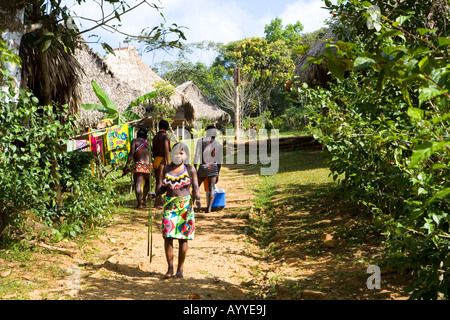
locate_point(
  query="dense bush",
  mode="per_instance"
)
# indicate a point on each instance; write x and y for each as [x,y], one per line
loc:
[385,123]
[31,141]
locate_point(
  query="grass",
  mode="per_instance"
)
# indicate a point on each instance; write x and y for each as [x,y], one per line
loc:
[302,175]
[294,209]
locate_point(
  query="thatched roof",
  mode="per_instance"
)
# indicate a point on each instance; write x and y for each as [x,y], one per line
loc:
[128,66]
[59,68]
[204,108]
[95,69]
[315,74]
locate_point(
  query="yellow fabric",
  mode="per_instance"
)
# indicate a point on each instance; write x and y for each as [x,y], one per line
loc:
[157,162]
[118,137]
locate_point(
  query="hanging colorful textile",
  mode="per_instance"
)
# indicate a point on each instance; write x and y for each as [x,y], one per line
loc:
[118,137]
[97,145]
[73,145]
[118,142]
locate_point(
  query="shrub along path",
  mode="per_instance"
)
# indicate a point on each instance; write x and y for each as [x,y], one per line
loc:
[280,237]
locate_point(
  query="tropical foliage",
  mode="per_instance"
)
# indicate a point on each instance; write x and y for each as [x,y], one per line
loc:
[385,123]
[109,108]
[31,138]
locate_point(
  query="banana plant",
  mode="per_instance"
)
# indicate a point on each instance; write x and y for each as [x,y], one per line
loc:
[109,108]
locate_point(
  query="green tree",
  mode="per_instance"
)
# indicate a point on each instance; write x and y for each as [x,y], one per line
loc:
[207,79]
[265,64]
[291,34]
[109,108]
[386,127]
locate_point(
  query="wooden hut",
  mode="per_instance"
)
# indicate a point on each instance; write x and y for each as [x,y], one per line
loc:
[127,65]
[315,74]
[95,68]
[204,107]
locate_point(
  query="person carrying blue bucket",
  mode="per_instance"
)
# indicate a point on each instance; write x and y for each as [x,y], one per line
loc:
[208,158]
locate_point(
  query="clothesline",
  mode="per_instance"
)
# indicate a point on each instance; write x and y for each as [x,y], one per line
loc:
[86,135]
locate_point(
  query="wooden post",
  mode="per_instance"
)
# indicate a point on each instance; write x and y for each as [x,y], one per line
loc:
[182,132]
[237,107]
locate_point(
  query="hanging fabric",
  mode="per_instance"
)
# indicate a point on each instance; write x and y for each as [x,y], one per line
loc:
[118,142]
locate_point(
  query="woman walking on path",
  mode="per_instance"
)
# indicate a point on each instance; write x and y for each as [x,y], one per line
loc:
[178,220]
[161,156]
[140,155]
[208,157]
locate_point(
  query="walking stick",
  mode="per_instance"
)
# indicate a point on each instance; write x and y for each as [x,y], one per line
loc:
[150,209]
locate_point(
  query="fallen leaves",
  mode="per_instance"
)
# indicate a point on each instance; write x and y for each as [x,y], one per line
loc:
[5,273]
[194,296]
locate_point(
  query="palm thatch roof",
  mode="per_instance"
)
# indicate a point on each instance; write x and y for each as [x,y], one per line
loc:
[315,74]
[57,68]
[204,108]
[95,68]
[128,66]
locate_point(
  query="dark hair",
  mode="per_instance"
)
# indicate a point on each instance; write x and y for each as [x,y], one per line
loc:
[180,145]
[164,124]
[211,131]
[142,133]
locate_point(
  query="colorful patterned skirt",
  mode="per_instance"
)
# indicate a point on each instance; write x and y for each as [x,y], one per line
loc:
[179,220]
[141,167]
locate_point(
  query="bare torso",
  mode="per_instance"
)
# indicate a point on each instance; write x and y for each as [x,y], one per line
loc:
[161,145]
[143,154]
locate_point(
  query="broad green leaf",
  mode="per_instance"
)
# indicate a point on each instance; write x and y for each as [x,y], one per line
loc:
[439,195]
[142,99]
[400,20]
[45,45]
[441,118]
[103,97]
[429,93]
[443,41]
[423,63]
[363,62]
[130,115]
[336,68]
[416,213]
[92,106]
[389,34]
[107,48]
[301,49]
[423,31]
[415,113]
[426,150]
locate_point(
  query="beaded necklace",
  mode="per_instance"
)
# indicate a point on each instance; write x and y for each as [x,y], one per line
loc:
[178,181]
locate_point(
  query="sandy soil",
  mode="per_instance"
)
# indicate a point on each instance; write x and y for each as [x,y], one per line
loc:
[223,262]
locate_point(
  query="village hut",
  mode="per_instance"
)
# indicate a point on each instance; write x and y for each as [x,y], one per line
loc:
[204,107]
[95,68]
[315,74]
[127,65]
[52,76]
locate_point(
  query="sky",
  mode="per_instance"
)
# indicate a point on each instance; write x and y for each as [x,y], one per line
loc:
[213,20]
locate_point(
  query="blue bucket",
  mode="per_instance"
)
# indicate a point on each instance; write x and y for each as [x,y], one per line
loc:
[219,199]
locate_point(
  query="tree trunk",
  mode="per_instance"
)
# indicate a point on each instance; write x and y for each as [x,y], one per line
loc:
[11,22]
[46,99]
[237,107]
[12,15]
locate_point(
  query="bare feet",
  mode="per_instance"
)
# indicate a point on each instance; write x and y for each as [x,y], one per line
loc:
[169,274]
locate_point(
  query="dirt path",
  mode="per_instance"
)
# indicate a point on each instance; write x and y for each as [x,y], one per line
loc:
[224,261]
[218,265]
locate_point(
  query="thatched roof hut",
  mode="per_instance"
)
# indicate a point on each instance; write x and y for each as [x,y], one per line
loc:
[315,74]
[51,76]
[95,69]
[204,108]
[128,66]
